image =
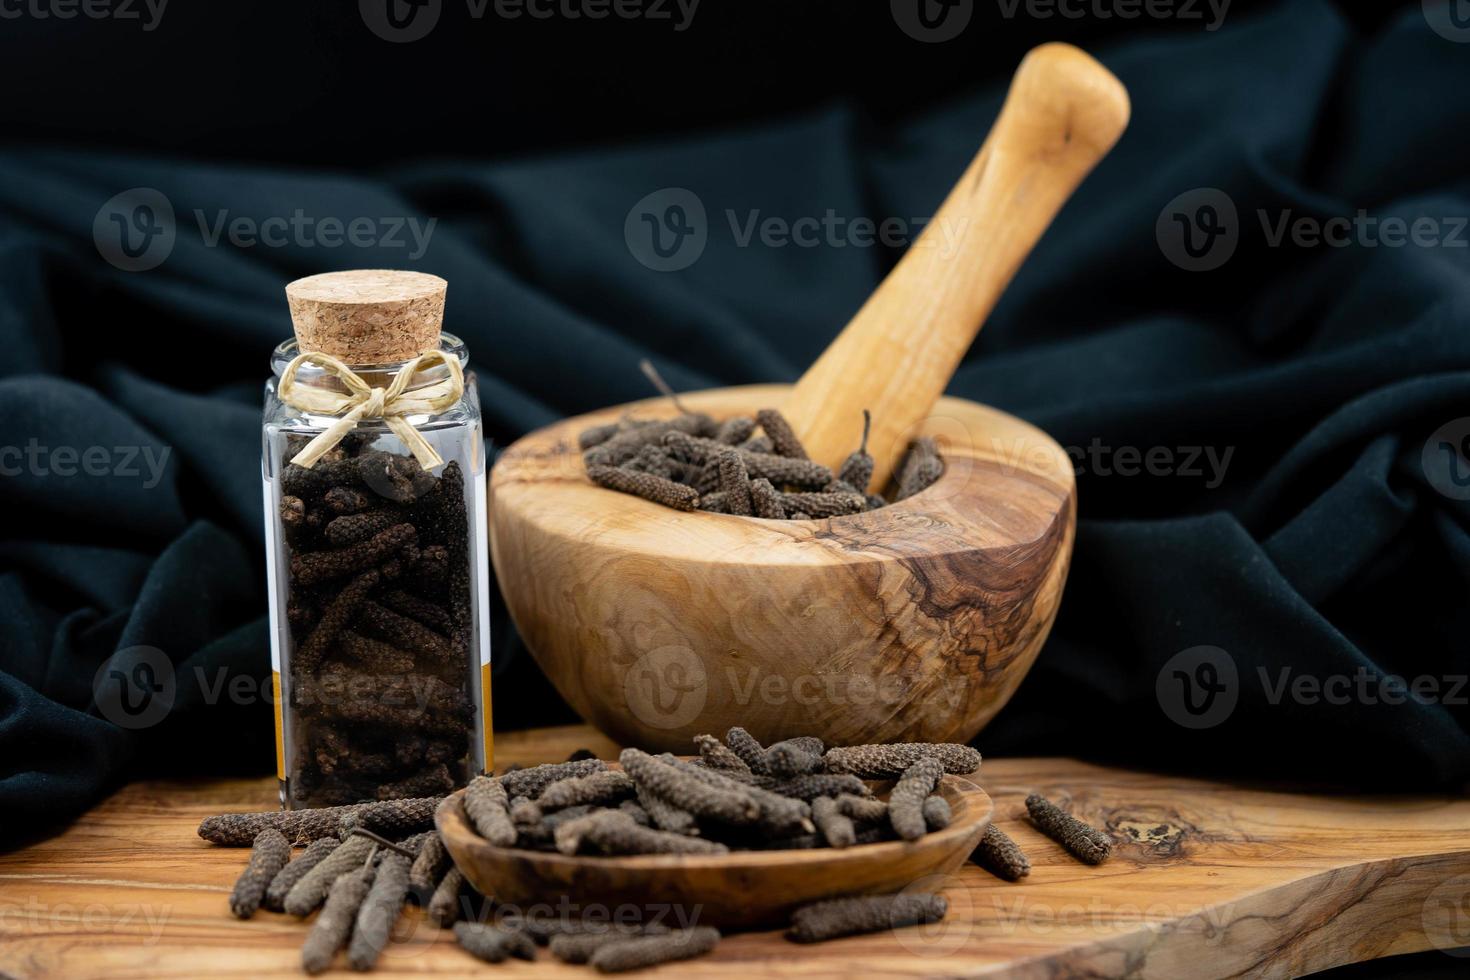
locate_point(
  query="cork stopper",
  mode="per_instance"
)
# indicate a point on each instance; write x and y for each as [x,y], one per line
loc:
[368,316]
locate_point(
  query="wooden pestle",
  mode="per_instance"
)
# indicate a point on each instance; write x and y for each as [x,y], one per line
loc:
[1063,113]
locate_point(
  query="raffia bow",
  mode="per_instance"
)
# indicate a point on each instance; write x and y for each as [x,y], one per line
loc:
[362,401]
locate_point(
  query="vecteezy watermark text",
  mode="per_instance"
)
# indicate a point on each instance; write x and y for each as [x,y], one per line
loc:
[405,21]
[128,462]
[1200,687]
[136,230]
[669,229]
[1200,230]
[147,13]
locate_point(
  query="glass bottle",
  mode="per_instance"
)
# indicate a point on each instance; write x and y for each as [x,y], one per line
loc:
[377,567]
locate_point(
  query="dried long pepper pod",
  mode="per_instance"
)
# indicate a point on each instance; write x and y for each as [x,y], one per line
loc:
[435,779]
[734,483]
[493,944]
[314,886]
[625,445]
[778,814]
[524,812]
[759,444]
[374,656]
[890,761]
[645,485]
[815,784]
[405,632]
[780,470]
[792,758]
[863,809]
[444,903]
[597,789]
[431,614]
[332,927]
[857,469]
[821,505]
[717,755]
[345,500]
[429,866]
[836,828]
[936,812]
[531,782]
[269,855]
[303,826]
[906,802]
[333,621]
[633,809]
[1085,843]
[318,566]
[614,832]
[734,431]
[665,815]
[765,500]
[645,951]
[783,437]
[597,435]
[749,751]
[579,947]
[1000,855]
[656,460]
[487,806]
[687,792]
[379,910]
[316,851]
[713,503]
[350,529]
[920,468]
[872,913]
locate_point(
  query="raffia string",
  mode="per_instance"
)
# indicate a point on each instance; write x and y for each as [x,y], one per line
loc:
[361,401]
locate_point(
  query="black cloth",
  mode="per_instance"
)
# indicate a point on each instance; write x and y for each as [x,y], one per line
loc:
[1318,545]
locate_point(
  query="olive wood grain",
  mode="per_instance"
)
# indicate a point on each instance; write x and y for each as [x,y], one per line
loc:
[1062,115]
[739,890]
[1208,880]
[914,622]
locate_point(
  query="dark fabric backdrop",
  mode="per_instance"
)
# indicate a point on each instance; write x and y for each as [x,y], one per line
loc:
[1325,547]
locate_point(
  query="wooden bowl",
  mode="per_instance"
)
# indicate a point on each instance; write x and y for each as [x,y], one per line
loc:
[915,622]
[742,889]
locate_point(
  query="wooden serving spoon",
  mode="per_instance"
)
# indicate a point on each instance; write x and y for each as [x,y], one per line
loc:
[1063,114]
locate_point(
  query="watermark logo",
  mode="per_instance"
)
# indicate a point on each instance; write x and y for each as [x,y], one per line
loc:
[1446,459]
[951,932]
[666,687]
[400,21]
[405,21]
[1450,19]
[1199,229]
[135,230]
[1446,916]
[932,21]
[1199,687]
[667,230]
[135,687]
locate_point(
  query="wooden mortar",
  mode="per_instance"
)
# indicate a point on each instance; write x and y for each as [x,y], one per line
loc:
[913,622]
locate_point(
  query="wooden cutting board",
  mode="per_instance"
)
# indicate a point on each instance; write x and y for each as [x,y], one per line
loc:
[1213,880]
